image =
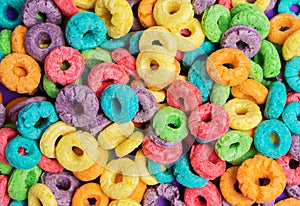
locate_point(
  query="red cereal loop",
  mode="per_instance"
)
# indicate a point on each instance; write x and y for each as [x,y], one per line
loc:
[6,134]
[291,168]
[4,197]
[50,165]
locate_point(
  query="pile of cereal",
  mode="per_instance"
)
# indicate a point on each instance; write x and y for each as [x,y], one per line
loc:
[150,102]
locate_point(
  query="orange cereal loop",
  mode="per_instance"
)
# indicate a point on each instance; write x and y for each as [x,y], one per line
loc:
[1,102]
[20,73]
[18,39]
[89,191]
[227,185]
[13,103]
[288,202]
[138,194]
[250,132]
[228,66]
[90,174]
[251,90]
[145,13]
[282,26]
[261,179]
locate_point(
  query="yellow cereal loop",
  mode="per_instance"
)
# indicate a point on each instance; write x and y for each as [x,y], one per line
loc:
[159,95]
[51,135]
[189,35]
[40,194]
[291,46]
[141,162]
[73,153]
[162,105]
[125,168]
[159,39]
[117,15]
[288,202]
[243,114]
[181,77]
[262,4]
[115,134]
[124,202]
[129,144]
[85,4]
[156,69]
[172,13]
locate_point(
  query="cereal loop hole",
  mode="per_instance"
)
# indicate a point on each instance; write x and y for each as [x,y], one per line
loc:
[22,151]
[12,13]
[234,145]
[264,181]
[251,1]
[228,66]
[92,201]
[77,151]
[88,34]
[119,178]
[117,106]
[236,187]
[40,122]
[213,158]
[78,108]
[63,184]
[293,164]
[154,64]
[164,202]
[65,65]
[242,111]
[41,17]
[241,45]
[19,71]
[202,199]
[274,138]
[295,8]
[156,42]
[284,28]
[172,7]
[45,41]
[185,32]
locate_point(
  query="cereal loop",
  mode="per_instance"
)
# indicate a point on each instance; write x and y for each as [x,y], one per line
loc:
[262,4]
[18,39]
[291,46]
[145,13]
[40,193]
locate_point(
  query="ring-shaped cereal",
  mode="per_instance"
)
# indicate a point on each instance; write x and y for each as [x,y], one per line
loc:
[5,45]
[91,173]
[50,165]
[227,186]
[117,15]
[40,193]
[130,178]
[289,117]
[85,30]
[291,46]
[54,65]
[169,13]
[215,22]
[285,7]
[18,39]
[291,168]
[68,7]
[291,73]
[158,38]
[252,170]
[251,90]
[192,39]
[282,26]
[163,173]
[263,142]
[4,197]
[165,70]
[288,201]
[51,135]
[89,191]
[243,114]
[72,151]
[85,4]
[130,144]
[27,161]
[20,73]
[7,22]
[262,4]
[223,75]
[6,134]
[145,13]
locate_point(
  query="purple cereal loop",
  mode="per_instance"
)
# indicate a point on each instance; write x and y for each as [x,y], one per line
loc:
[161,142]
[295,147]
[99,123]
[137,26]
[14,111]
[201,5]
[2,115]
[293,191]
[271,6]
[150,197]
[32,7]
[168,192]
[225,203]
[77,105]
[271,203]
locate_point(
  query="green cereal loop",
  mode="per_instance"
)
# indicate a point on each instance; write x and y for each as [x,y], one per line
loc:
[233,145]
[170,124]
[5,169]
[256,72]
[52,88]
[93,57]
[253,18]
[5,42]
[268,58]
[215,22]
[266,83]
[21,181]
[251,152]
[242,7]
[10,125]
[219,94]
[278,48]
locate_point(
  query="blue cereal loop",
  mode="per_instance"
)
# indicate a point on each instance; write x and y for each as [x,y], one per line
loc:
[113,44]
[6,22]
[291,73]
[119,103]
[27,161]
[86,30]
[198,76]
[263,142]
[204,50]
[161,176]
[185,176]
[134,43]
[284,7]
[289,117]
[35,118]
[276,100]
[18,203]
